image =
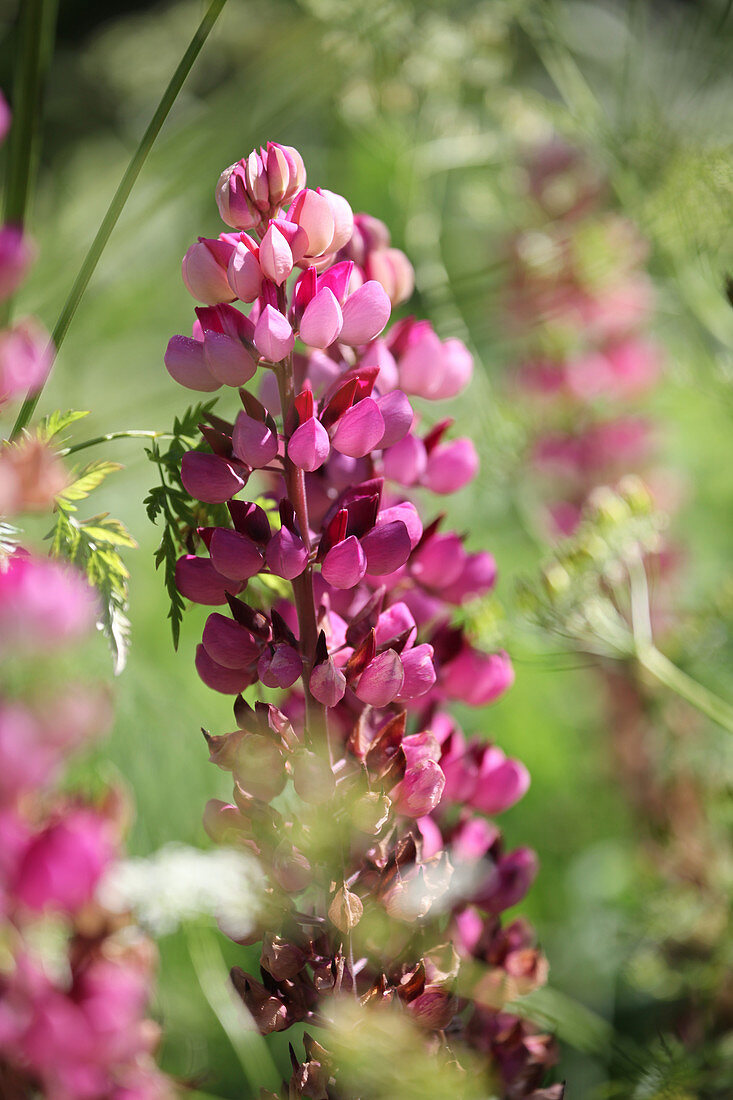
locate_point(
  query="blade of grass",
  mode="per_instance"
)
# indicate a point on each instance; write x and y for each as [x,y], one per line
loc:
[121,196]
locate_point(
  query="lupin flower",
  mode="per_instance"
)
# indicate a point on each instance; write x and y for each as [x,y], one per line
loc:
[364,653]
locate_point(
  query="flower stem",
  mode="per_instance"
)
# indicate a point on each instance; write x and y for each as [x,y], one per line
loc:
[121,196]
[667,673]
[133,433]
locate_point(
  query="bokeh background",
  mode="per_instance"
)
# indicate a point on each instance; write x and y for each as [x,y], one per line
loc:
[418,111]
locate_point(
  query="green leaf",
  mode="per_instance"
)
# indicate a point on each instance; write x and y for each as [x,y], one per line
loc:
[103,528]
[90,478]
[57,421]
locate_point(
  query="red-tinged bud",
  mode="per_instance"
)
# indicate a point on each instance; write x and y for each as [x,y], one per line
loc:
[451,466]
[321,322]
[406,462]
[328,683]
[345,564]
[274,338]
[209,477]
[234,204]
[290,868]
[387,547]
[268,1012]
[281,959]
[228,681]
[223,822]
[286,554]
[477,678]
[396,621]
[276,257]
[244,274]
[382,679]
[234,555]
[185,362]
[199,581]
[280,666]
[365,314]
[229,643]
[254,441]
[419,793]
[313,777]
[204,271]
[338,280]
[285,172]
[433,1009]
[249,519]
[359,429]
[309,446]
[419,670]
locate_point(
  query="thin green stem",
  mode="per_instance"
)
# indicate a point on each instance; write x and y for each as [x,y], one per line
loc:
[133,433]
[667,673]
[121,196]
[36,31]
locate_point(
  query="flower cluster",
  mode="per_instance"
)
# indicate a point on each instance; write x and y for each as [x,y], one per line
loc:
[370,811]
[75,980]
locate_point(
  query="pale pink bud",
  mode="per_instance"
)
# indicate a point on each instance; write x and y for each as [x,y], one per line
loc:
[276,258]
[439,560]
[387,547]
[322,320]
[235,555]
[286,554]
[391,268]
[199,581]
[273,335]
[343,219]
[62,865]
[257,187]
[365,312]
[25,358]
[397,415]
[204,271]
[379,355]
[407,512]
[184,360]
[244,274]
[477,678]
[417,664]
[451,466]
[420,366]
[314,213]
[253,441]
[232,200]
[285,172]
[227,681]
[406,462]
[309,445]
[500,785]
[359,429]
[382,679]
[209,477]
[345,564]
[229,643]
[16,256]
[328,683]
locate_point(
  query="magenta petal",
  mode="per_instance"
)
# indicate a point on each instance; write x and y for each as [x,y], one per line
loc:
[451,466]
[421,366]
[509,881]
[286,554]
[477,577]
[345,563]
[321,321]
[209,478]
[228,359]
[244,274]
[406,461]
[457,364]
[281,668]
[419,672]
[359,430]
[439,561]
[273,335]
[199,581]
[477,678]
[229,681]
[398,416]
[420,791]
[276,257]
[229,643]
[387,547]
[204,272]
[501,787]
[309,445]
[235,555]
[382,679]
[407,512]
[184,361]
[365,312]
[328,683]
[253,441]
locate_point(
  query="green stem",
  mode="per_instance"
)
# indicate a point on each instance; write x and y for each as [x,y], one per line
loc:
[133,433]
[121,196]
[36,31]
[662,669]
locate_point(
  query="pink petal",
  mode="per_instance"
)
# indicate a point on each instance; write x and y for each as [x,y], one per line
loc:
[229,643]
[276,258]
[234,555]
[273,335]
[229,681]
[199,581]
[381,681]
[244,274]
[286,554]
[321,321]
[387,547]
[309,445]
[209,478]
[328,683]
[398,416]
[359,430]
[417,664]
[345,563]
[228,359]
[366,312]
[184,360]
[253,441]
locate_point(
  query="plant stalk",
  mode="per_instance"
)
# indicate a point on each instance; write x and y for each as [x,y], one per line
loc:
[667,673]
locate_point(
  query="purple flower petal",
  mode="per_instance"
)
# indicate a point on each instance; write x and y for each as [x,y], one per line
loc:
[345,563]
[365,312]
[309,445]
[382,679]
[322,320]
[359,430]
[387,547]
[184,361]
[234,555]
[209,477]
